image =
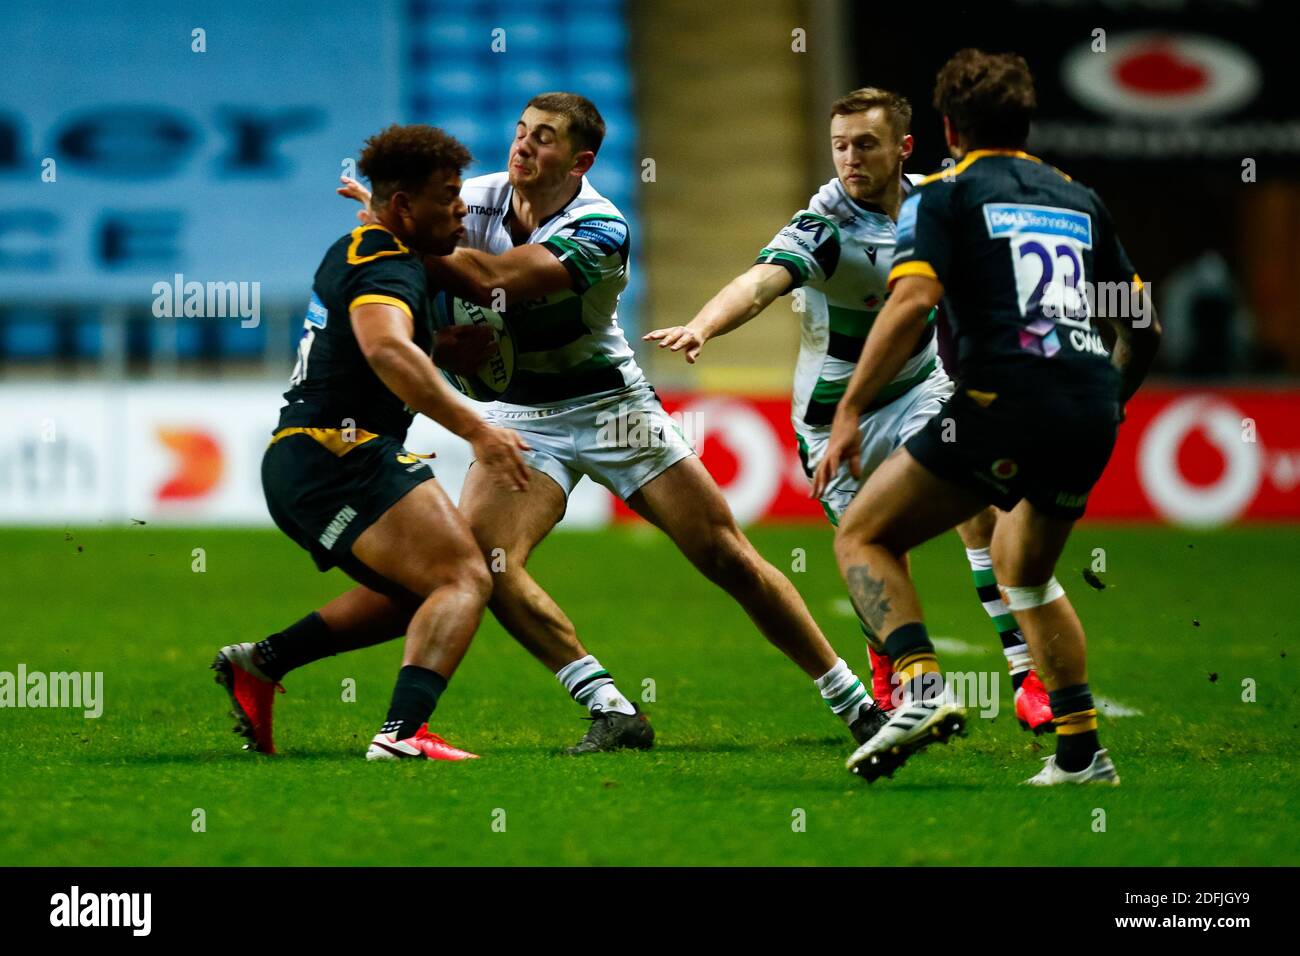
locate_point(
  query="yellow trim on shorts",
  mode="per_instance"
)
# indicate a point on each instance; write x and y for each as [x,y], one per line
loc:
[330,438]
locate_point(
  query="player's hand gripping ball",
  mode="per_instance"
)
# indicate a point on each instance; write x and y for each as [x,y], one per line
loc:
[491,378]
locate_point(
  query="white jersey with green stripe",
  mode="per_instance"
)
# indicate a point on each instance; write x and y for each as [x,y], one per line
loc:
[839,253]
[569,347]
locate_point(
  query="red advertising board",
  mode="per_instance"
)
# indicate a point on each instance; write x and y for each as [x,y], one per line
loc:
[1198,457]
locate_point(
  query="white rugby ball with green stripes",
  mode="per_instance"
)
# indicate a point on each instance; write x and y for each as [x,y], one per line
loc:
[492,378]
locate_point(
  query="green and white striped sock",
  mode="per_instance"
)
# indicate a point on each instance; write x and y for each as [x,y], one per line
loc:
[591,686]
[842,691]
[1013,642]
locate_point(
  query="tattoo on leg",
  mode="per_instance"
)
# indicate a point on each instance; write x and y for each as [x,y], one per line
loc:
[868,596]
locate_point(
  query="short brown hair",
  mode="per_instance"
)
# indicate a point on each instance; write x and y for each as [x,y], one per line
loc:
[402,158]
[586,125]
[869,97]
[988,97]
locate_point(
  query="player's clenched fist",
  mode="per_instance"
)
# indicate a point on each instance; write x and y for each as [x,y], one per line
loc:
[677,338]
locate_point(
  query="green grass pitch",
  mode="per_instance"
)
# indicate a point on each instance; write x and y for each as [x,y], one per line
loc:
[744,742]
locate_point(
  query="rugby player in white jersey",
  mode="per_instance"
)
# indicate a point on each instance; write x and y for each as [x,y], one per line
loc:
[838,251]
[542,237]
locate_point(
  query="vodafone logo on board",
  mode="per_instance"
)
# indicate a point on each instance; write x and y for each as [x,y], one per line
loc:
[1162,77]
[1174,494]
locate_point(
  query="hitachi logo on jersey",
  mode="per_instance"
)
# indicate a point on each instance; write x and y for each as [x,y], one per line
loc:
[1008,219]
[485,210]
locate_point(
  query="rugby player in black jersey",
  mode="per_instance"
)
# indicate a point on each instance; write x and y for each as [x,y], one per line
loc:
[1055,333]
[337,479]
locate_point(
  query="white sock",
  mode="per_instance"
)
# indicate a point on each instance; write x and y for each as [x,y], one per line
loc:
[842,691]
[1017,654]
[591,686]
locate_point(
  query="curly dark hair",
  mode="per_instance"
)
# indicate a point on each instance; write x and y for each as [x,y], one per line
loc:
[988,97]
[403,157]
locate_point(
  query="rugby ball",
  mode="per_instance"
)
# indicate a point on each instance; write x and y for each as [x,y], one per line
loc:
[492,378]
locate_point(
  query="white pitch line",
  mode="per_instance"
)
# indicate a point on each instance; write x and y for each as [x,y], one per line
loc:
[953,645]
[843,607]
[1113,708]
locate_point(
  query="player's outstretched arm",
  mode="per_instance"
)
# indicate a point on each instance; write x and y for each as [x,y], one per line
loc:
[384,334]
[525,272]
[735,304]
[891,340]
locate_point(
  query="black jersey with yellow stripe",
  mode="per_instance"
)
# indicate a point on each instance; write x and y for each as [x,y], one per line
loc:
[1028,260]
[333,386]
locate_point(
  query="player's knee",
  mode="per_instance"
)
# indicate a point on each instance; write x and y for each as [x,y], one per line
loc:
[848,551]
[1029,597]
[476,580]
[1017,567]
[977,532]
[852,536]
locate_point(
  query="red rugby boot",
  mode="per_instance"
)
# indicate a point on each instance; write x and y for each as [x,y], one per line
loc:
[1033,709]
[252,695]
[421,745]
[882,680]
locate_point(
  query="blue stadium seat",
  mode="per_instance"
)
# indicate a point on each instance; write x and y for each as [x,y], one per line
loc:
[523,79]
[451,33]
[87,338]
[595,36]
[29,337]
[235,341]
[602,83]
[529,33]
[189,338]
[615,182]
[460,84]
[466,127]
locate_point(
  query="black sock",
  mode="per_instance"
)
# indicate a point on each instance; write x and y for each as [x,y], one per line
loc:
[1075,717]
[414,698]
[301,643]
